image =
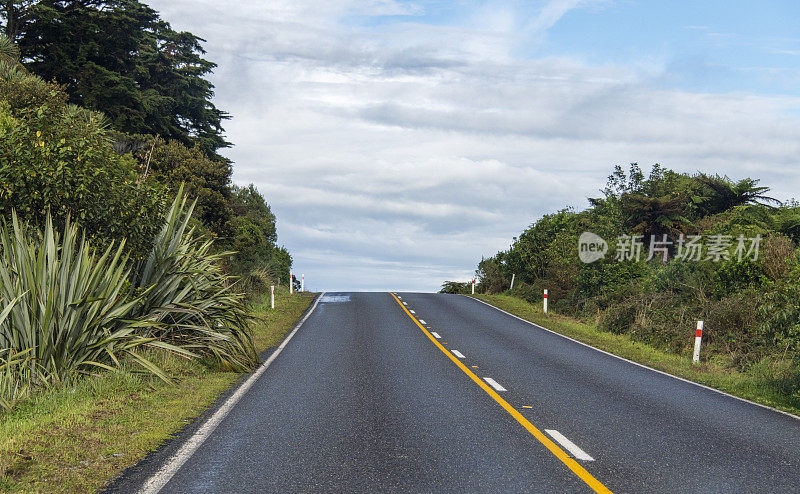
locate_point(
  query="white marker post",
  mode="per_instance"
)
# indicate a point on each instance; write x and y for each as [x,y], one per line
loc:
[697,339]
[512,280]
[544,301]
[272,295]
[473,286]
[303,282]
[291,283]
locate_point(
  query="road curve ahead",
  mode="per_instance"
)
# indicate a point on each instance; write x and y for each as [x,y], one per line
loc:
[383,392]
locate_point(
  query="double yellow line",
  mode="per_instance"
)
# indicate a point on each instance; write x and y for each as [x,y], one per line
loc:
[573,465]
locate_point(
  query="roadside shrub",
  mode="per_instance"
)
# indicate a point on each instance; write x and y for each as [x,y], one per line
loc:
[731,326]
[187,300]
[456,287]
[732,276]
[619,318]
[777,251]
[63,309]
[56,158]
[491,278]
[527,292]
[67,310]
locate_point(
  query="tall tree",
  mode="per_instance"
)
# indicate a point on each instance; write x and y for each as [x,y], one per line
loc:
[16,14]
[121,58]
[717,194]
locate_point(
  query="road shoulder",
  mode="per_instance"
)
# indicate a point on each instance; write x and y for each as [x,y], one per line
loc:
[741,385]
[78,439]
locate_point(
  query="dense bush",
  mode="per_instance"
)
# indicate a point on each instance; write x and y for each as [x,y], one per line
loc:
[456,287]
[56,158]
[67,309]
[186,298]
[749,305]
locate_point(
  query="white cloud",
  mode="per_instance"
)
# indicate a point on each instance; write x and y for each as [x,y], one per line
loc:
[395,156]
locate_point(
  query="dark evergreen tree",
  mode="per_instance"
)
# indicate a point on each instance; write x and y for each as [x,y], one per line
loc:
[119,57]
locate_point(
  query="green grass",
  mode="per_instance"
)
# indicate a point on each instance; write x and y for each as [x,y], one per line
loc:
[78,438]
[760,384]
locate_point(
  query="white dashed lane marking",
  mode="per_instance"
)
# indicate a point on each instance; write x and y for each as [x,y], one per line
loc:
[457,353]
[573,448]
[496,385]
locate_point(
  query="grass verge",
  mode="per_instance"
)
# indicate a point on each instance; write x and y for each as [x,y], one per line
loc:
[78,438]
[758,384]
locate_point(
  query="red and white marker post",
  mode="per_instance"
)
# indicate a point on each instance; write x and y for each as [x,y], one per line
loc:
[473,286]
[544,301]
[272,296]
[697,339]
[303,282]
[291,283]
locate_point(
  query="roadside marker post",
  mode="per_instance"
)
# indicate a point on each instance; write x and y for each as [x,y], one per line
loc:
[512,280]
[544,301]
[272,296]
[291,283]
[473,286]
[303,282]
[697,339]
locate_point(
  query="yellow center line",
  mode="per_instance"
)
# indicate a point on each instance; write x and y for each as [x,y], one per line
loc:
[573,465]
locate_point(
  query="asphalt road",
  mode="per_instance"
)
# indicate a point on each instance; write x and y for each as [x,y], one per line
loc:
[370,397]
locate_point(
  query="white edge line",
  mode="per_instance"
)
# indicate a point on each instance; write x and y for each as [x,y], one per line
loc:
[159,479]
[435,334]
[457,353]
[496,385]
[569,445]
[636,363]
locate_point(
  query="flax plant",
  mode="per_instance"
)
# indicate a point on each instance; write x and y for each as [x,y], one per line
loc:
[65,309]
[187,298]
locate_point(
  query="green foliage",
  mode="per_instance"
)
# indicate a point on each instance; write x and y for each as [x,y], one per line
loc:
[206,180]
[252,236]
[655,216]
[67,310]
[56,158]
[188,299]
[238,218]
[619,318]
[750,305]
[491,277]
[119,57]
[715,194]
[779,310]
[64,309]
[529,255]
[733,276]
[456,287]
[607,279]
[9,52]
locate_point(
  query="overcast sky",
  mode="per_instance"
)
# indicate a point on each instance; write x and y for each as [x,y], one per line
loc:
[398,142]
